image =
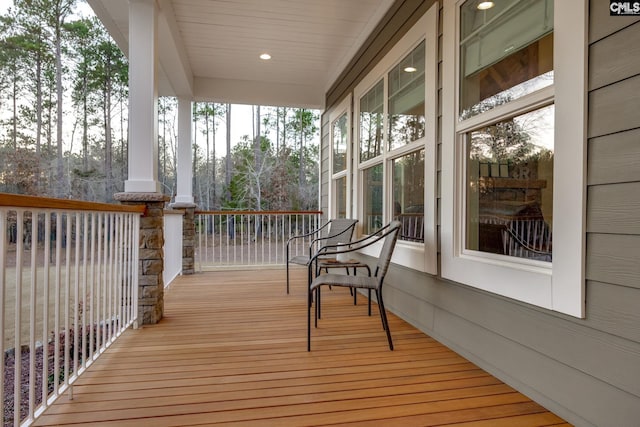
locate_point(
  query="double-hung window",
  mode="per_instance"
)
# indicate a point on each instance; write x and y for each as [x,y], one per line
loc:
[513,149]
[395,113]
[340,118]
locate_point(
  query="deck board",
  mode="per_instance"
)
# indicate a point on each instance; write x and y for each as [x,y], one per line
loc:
[231,350]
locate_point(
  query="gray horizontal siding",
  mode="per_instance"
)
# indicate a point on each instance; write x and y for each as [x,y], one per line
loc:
[614,108]
[614,158]
[614,258]
[601,25]
[614,208]
[614,310]
[608,64]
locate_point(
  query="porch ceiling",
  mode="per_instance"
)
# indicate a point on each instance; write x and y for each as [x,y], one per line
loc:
[209,49]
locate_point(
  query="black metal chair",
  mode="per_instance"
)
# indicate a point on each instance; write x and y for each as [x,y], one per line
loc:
[389,235]
[346,262]
[337,231]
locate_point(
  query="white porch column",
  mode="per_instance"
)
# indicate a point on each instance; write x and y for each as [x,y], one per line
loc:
[184,191]
[142,186]
[143,98]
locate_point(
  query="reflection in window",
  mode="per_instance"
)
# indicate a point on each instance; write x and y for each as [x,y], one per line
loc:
[372,199]
[341,197]
[509,186]
[506,52]
[371,105]
[339,129]
[408,195]
[406,99]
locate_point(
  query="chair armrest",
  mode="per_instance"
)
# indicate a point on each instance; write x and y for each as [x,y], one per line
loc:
[311,233]
[359,241]
[352,246]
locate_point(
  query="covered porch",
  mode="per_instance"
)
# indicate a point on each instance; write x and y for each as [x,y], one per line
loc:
[228,347]
[230,350]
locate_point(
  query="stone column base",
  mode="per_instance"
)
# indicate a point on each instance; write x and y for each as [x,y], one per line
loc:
[188,236]
[151,256]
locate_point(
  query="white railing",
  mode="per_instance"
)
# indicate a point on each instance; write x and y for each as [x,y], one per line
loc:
[172,248]
[234,238]
[68,289]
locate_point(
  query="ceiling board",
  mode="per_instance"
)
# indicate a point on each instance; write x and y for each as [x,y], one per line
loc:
[310,41]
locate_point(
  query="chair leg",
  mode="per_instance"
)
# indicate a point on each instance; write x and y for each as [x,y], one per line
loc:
[369,291]
[354,291]
[383,316]
[318,303]
[287,277]
[309,321]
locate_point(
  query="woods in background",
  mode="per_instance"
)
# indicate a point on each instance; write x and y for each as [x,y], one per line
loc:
[64,123]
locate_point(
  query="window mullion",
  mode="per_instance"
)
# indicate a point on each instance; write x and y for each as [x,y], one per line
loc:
[530,102]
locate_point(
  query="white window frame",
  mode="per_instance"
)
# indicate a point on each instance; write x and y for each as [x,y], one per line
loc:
[418,256]
[343,108]
[559,285]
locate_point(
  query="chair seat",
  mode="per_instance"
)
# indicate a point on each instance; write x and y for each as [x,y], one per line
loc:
[300,259]
[364,282]
[332,263]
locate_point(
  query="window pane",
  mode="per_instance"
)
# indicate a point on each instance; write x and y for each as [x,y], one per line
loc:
[372,199]
[406,99]
[371,105]
[509,186]
[505,52]
[408,195]
[341,197]
[339,130]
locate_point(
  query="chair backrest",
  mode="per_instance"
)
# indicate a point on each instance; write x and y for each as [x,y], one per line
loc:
[387,250]
[340,231]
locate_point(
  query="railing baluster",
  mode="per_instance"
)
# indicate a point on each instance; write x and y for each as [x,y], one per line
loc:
[127,270]
[67,290]
[95,249]
[45,308]
[85,276]
[18,318]
[104,224]
[92,282]
[250,238]
[105,279]
[56,305]
[76,295]
[112,258]
[3,250]
[32,313]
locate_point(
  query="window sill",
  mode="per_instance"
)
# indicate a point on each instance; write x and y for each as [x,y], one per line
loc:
[407,254]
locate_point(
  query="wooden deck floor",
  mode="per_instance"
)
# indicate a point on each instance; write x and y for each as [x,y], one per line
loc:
[231,350]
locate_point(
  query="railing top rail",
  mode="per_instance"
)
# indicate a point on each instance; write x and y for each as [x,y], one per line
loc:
[21,201]
[259,212]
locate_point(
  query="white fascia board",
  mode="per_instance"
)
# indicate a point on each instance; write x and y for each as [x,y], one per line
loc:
[171,52]
[109,12]
[343,62]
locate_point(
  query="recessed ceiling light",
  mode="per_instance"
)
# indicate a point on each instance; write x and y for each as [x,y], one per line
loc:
[265,56]
[410,69]
[484,5]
